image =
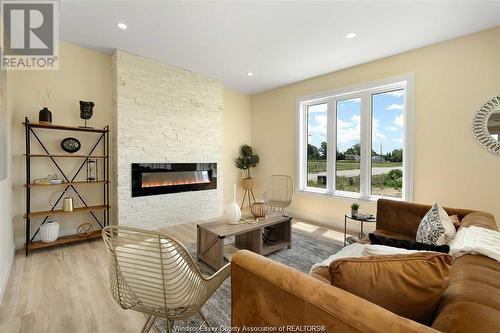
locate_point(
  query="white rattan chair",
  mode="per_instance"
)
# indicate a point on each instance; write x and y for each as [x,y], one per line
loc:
[279,193]
[153,273]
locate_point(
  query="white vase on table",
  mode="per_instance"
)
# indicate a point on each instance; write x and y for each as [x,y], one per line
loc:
[233,211]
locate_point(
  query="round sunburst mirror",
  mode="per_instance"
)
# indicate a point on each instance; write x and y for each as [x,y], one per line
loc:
[486,125]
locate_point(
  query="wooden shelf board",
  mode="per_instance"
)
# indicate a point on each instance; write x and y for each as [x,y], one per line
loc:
[267,249]
[67,128]
[69,183]
[66,155]
[60,212]
[64,240]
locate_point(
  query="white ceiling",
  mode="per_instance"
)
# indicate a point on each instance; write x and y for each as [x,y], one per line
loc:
[280,42]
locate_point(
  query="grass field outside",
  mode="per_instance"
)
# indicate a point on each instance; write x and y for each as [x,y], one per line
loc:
[381,185]
[387,184]
[320,165]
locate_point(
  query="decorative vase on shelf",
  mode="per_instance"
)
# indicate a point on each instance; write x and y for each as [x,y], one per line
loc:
[233,211]
[49,232]
[67,204]
[45,116]
[354,212]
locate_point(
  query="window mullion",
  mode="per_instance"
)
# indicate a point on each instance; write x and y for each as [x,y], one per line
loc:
[303,147]
[408,142]
[302,150]
[306,133]
[331,145]
[365,127]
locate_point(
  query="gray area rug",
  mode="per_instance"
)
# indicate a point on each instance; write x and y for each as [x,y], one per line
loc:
[306,250]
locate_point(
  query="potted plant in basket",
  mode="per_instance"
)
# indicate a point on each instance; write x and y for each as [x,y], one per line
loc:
[354,209]
[245,162]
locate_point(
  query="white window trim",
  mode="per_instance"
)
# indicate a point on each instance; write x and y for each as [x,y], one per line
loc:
[330,97]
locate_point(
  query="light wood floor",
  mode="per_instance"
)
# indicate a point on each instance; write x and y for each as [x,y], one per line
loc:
[66,290]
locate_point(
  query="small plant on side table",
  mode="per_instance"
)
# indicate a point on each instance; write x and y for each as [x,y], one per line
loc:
[354,209]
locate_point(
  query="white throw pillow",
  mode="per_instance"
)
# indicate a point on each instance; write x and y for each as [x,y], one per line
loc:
[436,228]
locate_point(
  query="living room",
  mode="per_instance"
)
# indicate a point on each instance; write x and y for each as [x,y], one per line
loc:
[183,166]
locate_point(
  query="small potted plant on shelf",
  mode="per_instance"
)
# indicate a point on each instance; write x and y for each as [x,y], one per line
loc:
[245,162]
[354,209]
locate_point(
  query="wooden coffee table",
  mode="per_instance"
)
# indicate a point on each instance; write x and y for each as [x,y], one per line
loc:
[211,235]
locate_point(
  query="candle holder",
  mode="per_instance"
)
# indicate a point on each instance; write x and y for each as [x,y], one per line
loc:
[92,174]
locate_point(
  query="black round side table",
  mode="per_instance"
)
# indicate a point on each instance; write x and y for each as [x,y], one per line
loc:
[354,239]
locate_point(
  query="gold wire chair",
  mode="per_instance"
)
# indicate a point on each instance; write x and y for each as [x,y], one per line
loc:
[279,193]
[154,274]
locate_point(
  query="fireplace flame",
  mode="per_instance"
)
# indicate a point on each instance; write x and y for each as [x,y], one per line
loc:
[157,179]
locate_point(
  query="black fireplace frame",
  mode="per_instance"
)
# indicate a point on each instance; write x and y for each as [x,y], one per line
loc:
[139,168]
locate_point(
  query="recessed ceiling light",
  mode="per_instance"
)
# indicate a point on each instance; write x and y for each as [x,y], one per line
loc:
[350,35]
[121,25]
[250,74]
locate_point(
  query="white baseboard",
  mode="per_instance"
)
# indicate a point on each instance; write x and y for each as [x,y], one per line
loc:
[4,277]
[19,243]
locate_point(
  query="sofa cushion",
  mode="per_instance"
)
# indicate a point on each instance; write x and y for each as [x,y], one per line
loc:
[407,244]
[322,274]
[479,219]
[436,227]
[408,285]
[471,303]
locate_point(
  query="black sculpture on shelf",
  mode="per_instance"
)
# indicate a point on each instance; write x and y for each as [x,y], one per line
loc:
[86,111]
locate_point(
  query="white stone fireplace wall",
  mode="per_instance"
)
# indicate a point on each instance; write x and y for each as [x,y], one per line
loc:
[164,114]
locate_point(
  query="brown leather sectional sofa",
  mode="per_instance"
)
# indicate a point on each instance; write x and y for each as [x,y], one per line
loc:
[268,294]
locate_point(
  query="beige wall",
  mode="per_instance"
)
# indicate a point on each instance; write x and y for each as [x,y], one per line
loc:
[6,229]
[236,133]
[452,80]
[83,75]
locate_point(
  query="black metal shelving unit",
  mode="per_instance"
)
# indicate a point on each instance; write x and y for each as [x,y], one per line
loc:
[68,183]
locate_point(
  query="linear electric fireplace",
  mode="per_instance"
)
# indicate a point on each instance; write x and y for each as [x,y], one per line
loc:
[161,178]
